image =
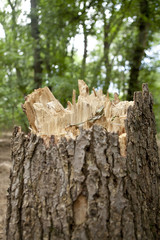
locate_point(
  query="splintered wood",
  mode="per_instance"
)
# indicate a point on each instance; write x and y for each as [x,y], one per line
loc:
[48,117]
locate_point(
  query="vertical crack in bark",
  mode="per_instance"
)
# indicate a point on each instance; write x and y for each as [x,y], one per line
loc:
[108,208]
[20,190]
[31,150]
[133,210]
[41,229]
[50,229]
[66,166]
[122,222]
[20,198]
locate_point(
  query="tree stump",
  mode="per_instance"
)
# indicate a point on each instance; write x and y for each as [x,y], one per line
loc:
[88,172]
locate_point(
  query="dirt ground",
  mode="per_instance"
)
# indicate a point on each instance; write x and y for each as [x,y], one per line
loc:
[5,166]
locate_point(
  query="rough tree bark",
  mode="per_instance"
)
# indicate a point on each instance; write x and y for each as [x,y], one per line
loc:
[84,188]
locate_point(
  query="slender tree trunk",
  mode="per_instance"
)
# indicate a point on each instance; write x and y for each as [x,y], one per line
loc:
[36,45]
[106,56]
[48,65]
[108,39]
[16,63]
[83,188]
[138,51]
[83,70]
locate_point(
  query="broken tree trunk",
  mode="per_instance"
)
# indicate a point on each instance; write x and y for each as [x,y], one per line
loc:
[88,172]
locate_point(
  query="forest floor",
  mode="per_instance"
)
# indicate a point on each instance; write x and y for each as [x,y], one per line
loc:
[5,166]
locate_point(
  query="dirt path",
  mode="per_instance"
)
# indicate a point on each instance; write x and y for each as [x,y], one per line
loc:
[5,165]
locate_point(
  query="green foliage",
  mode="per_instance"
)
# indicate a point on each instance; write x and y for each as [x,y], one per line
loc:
[114,24]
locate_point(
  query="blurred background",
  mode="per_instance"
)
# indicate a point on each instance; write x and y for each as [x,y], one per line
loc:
[110,44]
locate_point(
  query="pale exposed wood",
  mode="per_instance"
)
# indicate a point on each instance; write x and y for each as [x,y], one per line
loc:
[80,210]
[122,144]
[48,117]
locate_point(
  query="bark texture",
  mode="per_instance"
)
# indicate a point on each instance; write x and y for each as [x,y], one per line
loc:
[84,189]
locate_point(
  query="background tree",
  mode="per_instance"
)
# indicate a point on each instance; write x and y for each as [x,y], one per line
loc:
[141,42]
[36,45]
